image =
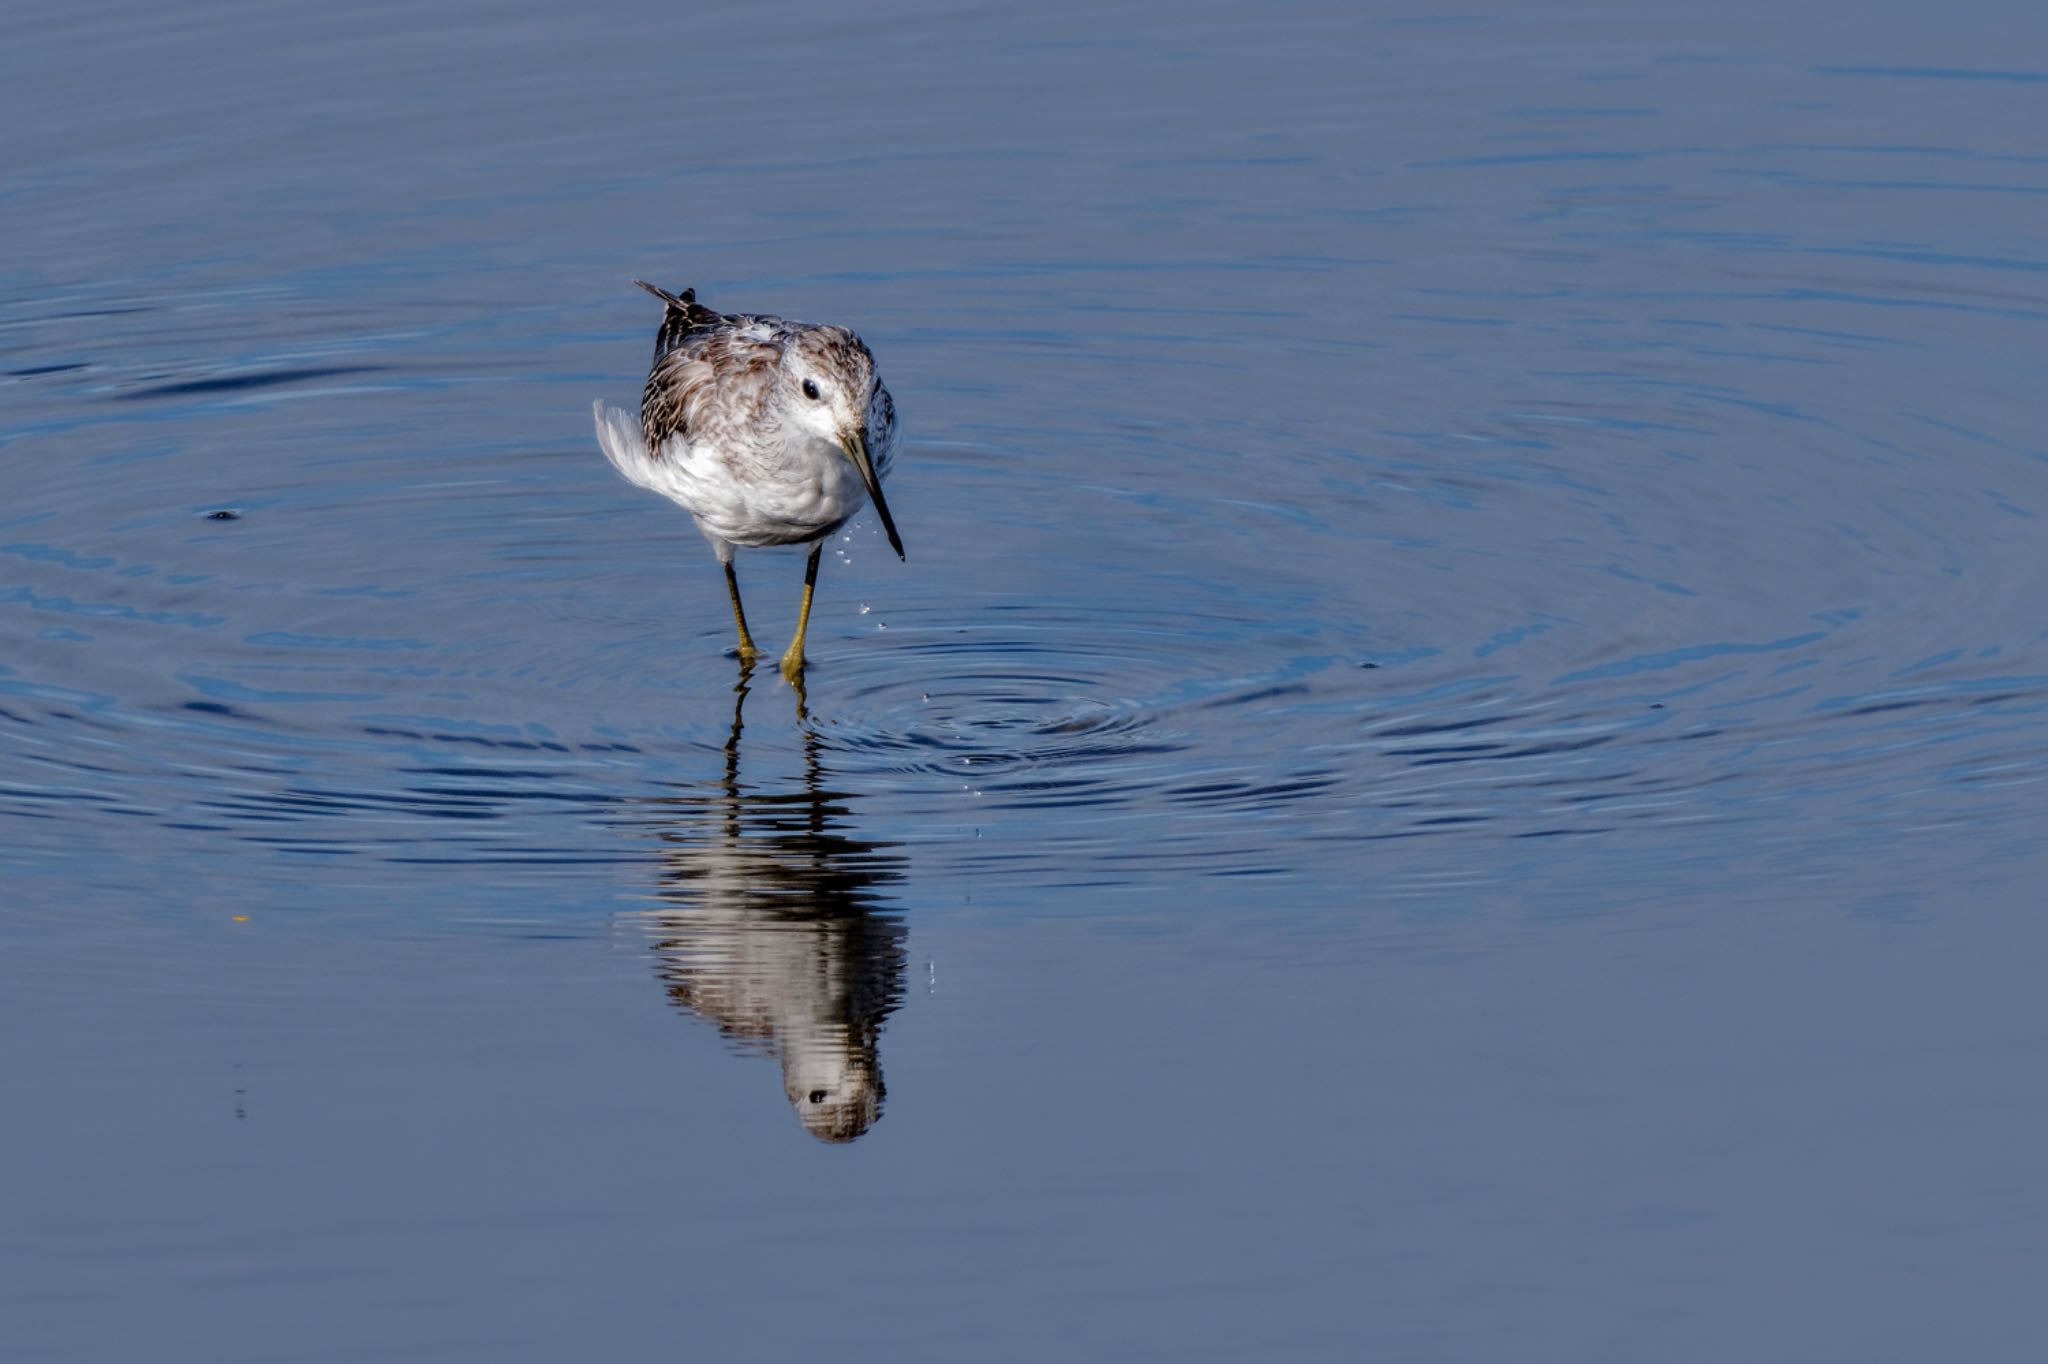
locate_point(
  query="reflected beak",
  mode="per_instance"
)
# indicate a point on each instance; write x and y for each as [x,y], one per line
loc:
[855,444]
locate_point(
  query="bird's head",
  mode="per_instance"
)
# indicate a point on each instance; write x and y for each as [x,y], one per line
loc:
[833,1081]
[828,389]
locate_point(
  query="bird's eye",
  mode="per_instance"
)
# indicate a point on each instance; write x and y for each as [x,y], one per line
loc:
[811,389]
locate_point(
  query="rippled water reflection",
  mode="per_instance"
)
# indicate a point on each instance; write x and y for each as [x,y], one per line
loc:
[1455,770]
[776,927]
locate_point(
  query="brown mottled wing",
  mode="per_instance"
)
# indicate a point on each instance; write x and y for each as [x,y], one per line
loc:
[676,386]
[732,364]
[698,352]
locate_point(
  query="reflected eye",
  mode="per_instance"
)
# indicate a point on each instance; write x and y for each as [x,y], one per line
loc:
[811,389]
[817,1095]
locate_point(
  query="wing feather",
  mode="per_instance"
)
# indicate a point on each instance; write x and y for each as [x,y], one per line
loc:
[619,435]
[672,403]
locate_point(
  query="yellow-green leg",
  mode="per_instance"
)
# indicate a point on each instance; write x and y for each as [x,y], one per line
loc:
[793,661]
[748,653]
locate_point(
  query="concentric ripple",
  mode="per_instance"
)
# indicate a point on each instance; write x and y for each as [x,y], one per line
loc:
[997,703]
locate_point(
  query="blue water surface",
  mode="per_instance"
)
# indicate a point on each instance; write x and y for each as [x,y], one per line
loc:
[1454,771]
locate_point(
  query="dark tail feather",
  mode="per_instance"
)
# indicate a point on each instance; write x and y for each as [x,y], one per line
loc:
[683,304]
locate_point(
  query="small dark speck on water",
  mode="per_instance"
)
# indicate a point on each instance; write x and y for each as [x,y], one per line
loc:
[223,515]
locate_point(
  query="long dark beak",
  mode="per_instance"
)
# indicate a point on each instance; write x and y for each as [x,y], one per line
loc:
[855,443]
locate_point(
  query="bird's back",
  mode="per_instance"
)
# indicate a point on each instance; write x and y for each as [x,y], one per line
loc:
[688,323]
[710,369]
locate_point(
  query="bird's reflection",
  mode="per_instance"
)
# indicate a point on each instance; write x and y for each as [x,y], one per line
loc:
[774,927]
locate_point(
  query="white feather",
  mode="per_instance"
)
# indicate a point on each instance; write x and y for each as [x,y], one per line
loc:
[618,432]
[790,504]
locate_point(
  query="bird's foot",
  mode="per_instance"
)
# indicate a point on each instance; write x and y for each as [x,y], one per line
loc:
[793,668]
[796,686]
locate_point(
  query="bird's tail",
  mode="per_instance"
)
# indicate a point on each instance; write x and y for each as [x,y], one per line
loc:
[618,433]
[685,302]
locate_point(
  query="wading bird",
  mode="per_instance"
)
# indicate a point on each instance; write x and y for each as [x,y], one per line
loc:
[768,432]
